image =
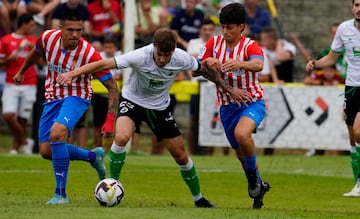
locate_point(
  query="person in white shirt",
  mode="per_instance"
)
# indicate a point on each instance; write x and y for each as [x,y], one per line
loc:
[280,52]
[347,37]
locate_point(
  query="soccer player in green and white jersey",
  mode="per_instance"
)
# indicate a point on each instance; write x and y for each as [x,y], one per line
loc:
[145,97]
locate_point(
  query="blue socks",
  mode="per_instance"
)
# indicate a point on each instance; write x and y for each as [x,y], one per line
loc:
[62,153]
[77,153]
[60,161]
[250,163]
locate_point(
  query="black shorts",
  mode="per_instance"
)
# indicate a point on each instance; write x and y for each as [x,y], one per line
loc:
[351,104]
[161,123]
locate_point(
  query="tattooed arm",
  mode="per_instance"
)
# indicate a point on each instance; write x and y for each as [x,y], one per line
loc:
[214,74]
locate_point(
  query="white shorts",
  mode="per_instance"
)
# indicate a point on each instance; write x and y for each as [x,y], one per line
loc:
[18,99]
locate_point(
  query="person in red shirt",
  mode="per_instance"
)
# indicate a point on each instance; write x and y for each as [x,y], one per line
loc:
[17,101]
[105,18]
[327,76]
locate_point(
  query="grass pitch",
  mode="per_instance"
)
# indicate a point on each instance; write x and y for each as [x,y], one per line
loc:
[302,187]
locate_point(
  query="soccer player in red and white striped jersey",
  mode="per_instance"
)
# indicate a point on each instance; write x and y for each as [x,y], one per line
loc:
[238,59]
[64,51]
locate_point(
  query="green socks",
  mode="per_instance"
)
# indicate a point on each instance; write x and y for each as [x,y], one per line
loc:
[116,163]
[191,179]
[355,161]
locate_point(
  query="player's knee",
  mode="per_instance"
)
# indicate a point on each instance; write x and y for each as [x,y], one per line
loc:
[356,133]
[180,156]
[58,133]
[122,139]
[241,137]
[9,116]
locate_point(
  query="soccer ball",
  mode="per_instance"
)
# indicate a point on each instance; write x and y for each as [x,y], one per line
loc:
[109,192]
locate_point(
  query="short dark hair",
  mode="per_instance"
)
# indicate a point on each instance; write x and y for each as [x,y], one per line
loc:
[270,32]
[111,40]
[165,39]
[233,13]
[24,19]
[207,21]
[71,15]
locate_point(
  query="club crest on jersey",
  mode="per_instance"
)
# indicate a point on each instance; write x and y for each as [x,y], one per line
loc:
[202,52]
[239,72]
[58,69]
[124,110]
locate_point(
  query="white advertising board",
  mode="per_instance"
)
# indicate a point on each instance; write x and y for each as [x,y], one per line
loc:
[299,117]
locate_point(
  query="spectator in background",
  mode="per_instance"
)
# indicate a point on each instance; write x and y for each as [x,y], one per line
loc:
[18,100]
[268,73]
[341,64]
[186,23]
[327,76]
[75,5]
[15,7]
[280,52]
[106,19]
[5,19]
[199,4]
[100,101]
[219,4]
[149,18]
[42,17]
[257,17]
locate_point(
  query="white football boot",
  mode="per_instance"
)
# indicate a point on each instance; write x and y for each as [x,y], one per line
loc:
[355,192]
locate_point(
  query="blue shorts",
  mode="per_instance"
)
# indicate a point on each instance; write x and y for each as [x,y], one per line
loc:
[67,111]
[231,114]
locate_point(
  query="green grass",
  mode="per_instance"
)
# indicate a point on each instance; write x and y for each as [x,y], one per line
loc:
[302,187]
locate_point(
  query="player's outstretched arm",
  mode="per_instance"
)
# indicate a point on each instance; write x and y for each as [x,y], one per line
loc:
[328,60]
[86,69]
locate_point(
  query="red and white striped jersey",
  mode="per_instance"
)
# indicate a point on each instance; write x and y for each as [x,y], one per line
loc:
[61,61]
[245,50]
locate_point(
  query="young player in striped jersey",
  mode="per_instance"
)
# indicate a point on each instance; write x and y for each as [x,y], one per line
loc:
[145,97]
[64,51]
[238,58]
